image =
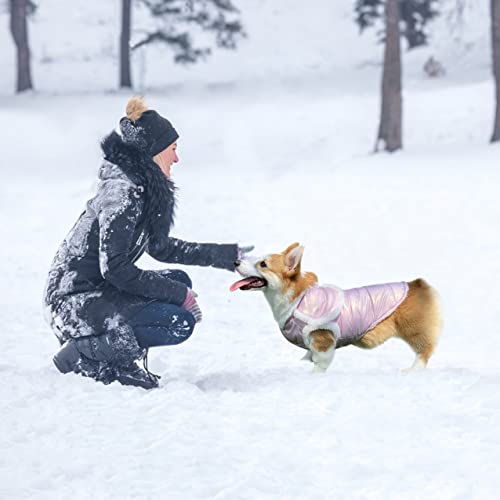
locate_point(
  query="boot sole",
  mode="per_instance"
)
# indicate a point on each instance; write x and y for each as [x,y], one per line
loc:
[124,380]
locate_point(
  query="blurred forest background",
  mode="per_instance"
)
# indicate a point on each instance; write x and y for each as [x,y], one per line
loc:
[190,31]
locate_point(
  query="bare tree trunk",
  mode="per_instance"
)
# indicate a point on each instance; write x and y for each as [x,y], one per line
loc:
[390,129]
[19,30]
[495,39]
[125,78]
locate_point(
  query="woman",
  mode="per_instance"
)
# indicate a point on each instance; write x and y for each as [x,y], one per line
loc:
[105,311]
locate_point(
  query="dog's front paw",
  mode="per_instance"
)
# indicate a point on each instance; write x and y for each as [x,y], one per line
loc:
[319,369]
[307,356]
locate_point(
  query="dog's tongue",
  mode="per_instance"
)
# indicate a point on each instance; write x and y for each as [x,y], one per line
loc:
[239,284]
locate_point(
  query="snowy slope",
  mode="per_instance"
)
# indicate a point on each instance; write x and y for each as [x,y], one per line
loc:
[238,415]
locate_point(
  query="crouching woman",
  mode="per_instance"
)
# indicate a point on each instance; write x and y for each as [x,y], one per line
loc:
[104,310]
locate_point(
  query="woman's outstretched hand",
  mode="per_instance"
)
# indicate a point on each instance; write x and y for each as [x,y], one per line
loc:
[192,306]
[243,251]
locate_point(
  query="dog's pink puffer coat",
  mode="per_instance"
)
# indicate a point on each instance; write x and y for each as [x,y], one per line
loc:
[348,314]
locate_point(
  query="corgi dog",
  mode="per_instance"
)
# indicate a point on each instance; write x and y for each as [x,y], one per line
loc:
[321,319]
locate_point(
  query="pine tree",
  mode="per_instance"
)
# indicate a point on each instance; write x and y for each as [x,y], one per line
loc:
[390,128]
[495,40]
[177,20]
[414,16]
[125,74]
[402,18]
[177,16]
[19,12]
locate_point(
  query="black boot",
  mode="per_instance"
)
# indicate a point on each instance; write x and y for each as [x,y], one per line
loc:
[98,370]
[134,375]
[106,358]
[67,357]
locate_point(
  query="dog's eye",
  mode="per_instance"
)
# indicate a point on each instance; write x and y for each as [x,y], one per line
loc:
[263,264]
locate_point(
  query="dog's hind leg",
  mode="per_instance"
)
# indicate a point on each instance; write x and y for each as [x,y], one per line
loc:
[418,364]
[378,335]
[322,344]
[419,323]
[423,344]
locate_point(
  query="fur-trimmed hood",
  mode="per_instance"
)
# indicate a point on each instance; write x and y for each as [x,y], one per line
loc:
[139,168]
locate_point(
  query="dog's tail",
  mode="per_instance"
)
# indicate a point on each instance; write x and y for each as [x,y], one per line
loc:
[426,323]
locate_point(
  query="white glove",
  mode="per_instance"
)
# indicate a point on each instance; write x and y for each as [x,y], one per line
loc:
[243,251]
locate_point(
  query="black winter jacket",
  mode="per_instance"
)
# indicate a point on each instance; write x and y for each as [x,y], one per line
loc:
[93,284]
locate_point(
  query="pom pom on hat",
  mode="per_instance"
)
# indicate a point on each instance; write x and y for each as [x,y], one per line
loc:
[135,108]
[145,128]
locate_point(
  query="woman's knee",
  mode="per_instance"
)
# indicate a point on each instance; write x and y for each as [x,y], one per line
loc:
[183,328]
[173,332]
[178,275]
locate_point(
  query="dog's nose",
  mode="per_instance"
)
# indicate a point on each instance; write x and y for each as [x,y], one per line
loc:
[237,263]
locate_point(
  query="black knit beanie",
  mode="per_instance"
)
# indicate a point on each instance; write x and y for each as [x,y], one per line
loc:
[146,129]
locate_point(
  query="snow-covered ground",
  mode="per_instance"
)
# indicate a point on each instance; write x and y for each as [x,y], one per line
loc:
[238,415]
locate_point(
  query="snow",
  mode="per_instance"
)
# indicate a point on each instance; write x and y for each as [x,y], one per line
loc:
[266,162]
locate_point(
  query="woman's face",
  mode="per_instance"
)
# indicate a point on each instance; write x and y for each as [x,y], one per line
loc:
[167,158]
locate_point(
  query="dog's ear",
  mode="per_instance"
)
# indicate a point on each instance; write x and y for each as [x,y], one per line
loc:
[291,247]
[293,258]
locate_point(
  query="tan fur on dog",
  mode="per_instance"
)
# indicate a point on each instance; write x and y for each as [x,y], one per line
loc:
[417,321]
[322,340]
[292,280]
[135,107]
